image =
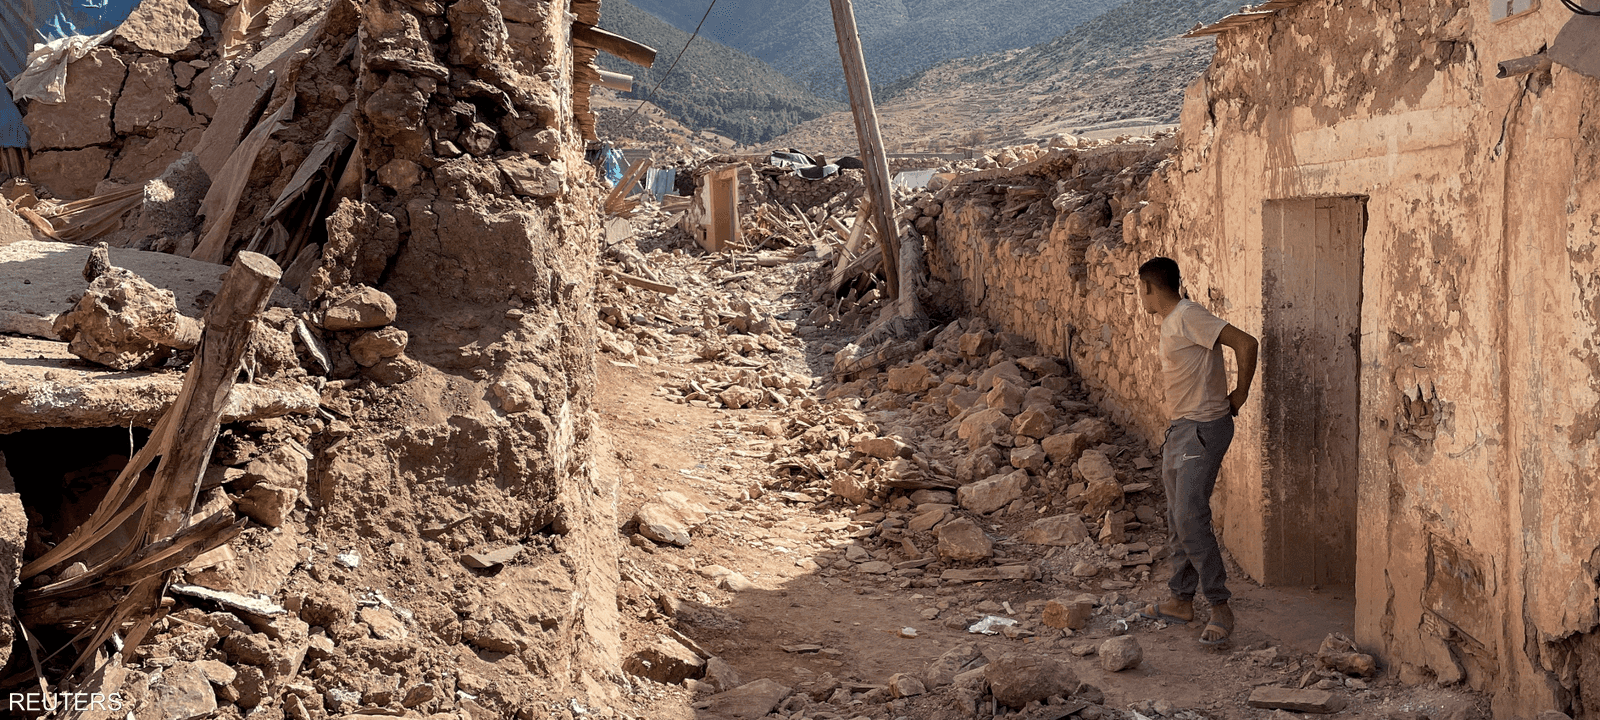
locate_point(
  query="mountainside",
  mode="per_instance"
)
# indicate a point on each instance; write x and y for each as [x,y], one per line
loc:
[714,87]
[899,37]
[1124,71]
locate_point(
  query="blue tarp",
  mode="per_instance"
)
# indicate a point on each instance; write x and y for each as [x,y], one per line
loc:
[24,23]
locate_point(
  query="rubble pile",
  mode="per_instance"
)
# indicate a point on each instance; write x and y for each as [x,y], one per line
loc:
[1059,232]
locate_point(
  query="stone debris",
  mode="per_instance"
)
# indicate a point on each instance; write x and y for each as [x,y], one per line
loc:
[1120,653]
[669,518]
[122,321]
[1304,701]
[1339,653]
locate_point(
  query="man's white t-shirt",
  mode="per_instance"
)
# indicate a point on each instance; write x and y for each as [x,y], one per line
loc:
[1191,361]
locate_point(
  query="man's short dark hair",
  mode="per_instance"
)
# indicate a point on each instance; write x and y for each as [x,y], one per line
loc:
[1161,272]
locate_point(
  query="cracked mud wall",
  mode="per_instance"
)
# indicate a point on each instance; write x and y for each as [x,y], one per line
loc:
[1478,377]
[483,435]
[1479,381]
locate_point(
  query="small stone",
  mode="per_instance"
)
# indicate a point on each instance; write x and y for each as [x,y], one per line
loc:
[254,648]
[961,540]
[1067,614]
[876,567]
[1031,423]
[902,685]
[1120,653]
[1305,701]
[884,448]
[913,378]
[995,492]
[400,174]
[669,518]
[1017,679]
[721,676]
[359,308]
[418,695]
[183,692]
[667,661]
[1030,458]
[1057,530]
[268,504]
[748,701]
[1340,654]
[908,633]
[1064,448]
[383,624]
[371,348]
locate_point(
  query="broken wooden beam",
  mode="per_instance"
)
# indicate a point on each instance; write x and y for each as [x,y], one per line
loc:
[640,282]
[230,322]
[614,199]
[634,52]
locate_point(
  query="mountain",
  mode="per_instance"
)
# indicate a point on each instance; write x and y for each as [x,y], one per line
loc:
[1123,71]
[713,87]
[898,37]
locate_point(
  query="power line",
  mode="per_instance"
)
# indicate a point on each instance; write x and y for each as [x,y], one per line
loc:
[674,64]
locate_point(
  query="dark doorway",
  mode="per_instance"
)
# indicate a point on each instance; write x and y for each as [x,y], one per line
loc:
[1311,276]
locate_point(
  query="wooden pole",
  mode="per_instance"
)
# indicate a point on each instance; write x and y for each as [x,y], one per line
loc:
[871,139]
[230,321]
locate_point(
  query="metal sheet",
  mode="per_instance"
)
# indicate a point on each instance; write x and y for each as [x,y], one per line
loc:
[1577,47]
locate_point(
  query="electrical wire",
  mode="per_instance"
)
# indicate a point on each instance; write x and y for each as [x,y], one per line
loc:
[1577,7]
[675,60]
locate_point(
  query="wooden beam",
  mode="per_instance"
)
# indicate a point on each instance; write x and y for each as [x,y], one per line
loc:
[870,137]
[634,52]
[640,282]
[230,322]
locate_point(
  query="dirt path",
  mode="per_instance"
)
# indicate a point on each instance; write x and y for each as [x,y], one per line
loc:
[805,606]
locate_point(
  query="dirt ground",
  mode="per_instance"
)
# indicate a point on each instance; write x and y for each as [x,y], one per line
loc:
[812,624]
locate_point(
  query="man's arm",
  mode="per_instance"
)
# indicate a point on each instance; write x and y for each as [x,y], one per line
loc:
[1245,348]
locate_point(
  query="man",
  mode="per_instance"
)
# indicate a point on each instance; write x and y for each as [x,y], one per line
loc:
[1202,412]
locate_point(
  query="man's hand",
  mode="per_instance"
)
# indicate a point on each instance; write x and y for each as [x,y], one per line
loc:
[1236,399]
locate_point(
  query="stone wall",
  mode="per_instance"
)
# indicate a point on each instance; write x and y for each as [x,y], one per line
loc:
[1045,247]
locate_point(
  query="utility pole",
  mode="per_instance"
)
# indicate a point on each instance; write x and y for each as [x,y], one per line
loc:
[871,139]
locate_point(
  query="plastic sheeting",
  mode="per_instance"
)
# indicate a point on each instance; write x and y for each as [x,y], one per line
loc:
[26,23]
[660,181]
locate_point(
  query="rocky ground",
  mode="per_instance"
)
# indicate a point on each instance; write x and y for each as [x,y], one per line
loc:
[961,535]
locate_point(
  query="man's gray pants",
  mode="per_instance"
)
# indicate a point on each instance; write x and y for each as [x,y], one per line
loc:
[1190,459]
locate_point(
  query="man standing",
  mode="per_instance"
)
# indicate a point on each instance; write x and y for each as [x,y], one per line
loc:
[1202,412]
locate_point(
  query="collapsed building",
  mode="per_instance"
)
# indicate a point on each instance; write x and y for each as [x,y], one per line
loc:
[1396,199]
[410,176]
